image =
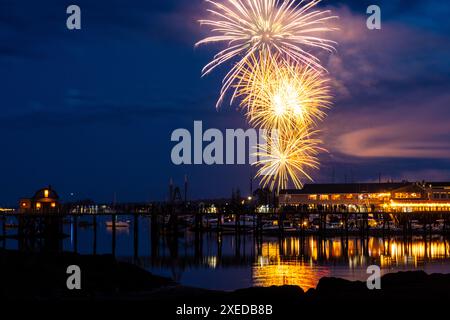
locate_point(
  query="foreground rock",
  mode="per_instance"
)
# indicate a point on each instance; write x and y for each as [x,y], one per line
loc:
[43,276]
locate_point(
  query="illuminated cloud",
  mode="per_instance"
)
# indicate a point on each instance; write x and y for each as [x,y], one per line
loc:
[391,92]
[414,128]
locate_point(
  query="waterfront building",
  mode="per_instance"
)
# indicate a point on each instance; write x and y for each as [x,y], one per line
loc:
[45,200]
[370,197]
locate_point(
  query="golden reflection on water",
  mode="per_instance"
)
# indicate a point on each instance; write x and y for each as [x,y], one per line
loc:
[272,270]
[288,273]
[290,262]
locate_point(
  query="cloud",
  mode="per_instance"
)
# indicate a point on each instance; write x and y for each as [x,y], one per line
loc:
[397,58]
[393,141]
[416,127]
[391,89]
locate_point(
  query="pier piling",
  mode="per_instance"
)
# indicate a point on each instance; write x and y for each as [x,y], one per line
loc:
[113,240]
[136,236]
[94,245]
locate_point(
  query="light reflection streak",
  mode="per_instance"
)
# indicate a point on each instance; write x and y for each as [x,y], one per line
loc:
[291,263]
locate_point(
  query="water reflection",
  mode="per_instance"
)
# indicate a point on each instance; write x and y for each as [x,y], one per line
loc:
[292,269]
[336,248]
[291,262]
[229,262]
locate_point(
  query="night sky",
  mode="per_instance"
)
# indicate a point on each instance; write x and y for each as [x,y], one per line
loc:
[91,111]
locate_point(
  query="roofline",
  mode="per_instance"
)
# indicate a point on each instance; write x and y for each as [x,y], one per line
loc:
[362,184]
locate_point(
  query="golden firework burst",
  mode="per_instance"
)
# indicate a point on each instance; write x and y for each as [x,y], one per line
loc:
[283,95]
[287,157]
[289,28]
[277,77]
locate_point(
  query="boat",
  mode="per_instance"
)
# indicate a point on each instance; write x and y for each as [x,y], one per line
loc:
[210,223]
[436,228]
[334,225]
[415,225]
[119,224]
[270,227]
[245,222]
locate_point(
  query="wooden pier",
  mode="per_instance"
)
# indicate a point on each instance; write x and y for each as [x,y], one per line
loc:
[45,230]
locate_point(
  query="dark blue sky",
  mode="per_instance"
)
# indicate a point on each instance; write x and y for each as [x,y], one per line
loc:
[91,111]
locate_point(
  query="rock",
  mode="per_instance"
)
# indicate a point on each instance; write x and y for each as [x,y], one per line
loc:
[30,276]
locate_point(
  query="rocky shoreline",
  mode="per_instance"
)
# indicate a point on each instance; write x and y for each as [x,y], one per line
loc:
[42,277]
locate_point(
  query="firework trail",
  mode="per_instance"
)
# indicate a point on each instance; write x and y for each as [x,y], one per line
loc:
[289,28]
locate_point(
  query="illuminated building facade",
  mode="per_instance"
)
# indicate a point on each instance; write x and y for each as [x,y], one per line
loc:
[371,197]
[45,200]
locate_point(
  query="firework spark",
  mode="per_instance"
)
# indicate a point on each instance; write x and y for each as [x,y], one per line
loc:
[282,95]
[287,27]
[285,158]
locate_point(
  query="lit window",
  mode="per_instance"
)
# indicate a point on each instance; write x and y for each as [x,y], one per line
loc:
[38,205]
[46,193]
[336,197]
[324,197]
[312,197]
[406,195]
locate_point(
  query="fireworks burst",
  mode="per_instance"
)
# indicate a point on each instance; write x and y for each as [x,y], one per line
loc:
[282,95]
[287,27]
[285,158]
[277,77]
